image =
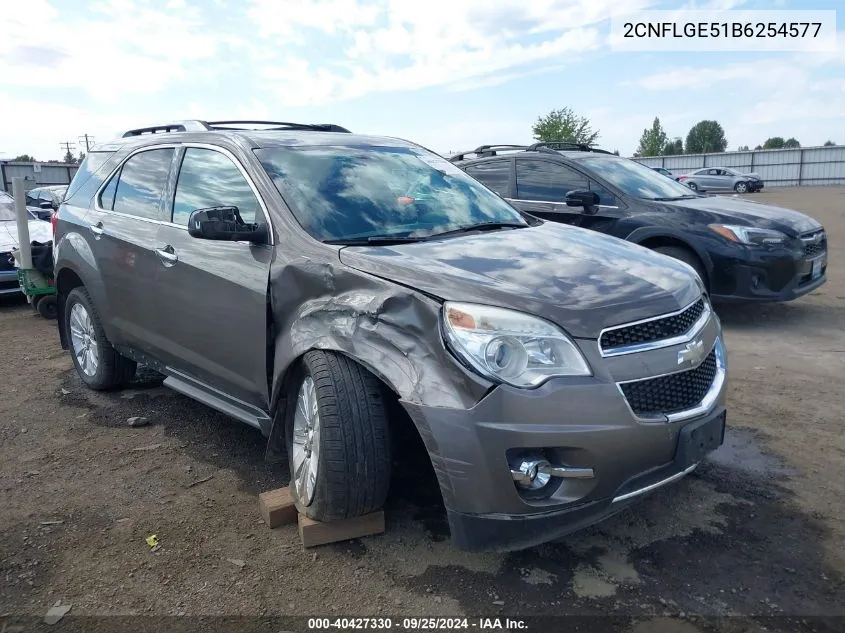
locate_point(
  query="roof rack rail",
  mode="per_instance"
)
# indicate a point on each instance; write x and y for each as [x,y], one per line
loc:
[485,150]
[204,126]
[564,145]
[175,126]
[277,125]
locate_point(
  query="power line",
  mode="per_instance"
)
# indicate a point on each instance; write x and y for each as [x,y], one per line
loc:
[68,147]
[89,140]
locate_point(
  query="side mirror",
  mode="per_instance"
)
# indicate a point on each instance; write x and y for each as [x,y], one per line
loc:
[582,198]
[45,204]
[225,223]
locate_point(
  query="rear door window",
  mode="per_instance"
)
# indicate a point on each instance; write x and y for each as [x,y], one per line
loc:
[494,174]
[142,182]
[545,181]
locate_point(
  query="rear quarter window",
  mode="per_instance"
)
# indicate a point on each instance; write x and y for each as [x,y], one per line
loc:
[88,178]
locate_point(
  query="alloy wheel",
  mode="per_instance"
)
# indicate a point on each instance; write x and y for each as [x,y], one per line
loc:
[306,441]
[84,339]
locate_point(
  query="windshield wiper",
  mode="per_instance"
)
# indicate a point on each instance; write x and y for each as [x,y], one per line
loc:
[484,226]
[684,197]
[375,239]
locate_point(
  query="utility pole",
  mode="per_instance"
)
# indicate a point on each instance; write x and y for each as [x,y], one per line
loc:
[68,147]
[89,140]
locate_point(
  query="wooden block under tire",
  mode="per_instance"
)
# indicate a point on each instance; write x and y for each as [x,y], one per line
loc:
[277,507]
[315,533]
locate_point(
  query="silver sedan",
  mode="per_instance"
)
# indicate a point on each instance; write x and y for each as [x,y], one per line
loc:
[722,179]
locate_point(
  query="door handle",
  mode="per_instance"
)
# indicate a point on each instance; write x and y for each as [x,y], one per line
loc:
[97,229]
[167,255]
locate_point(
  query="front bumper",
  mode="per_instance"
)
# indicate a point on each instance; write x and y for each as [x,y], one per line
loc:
[762,275]
[513,532]
[582,423]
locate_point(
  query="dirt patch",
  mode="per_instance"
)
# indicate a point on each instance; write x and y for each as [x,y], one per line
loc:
[756,531]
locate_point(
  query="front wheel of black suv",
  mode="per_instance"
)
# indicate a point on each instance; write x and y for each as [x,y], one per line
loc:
[337,439]
[97,363]
[687,256]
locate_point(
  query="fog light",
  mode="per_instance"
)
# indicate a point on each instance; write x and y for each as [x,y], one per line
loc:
[532,474]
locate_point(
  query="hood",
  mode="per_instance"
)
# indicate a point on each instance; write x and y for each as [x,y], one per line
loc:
[39,231]
[579,279]
[727,209]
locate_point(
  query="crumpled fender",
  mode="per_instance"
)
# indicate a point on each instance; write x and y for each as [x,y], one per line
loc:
[391,330]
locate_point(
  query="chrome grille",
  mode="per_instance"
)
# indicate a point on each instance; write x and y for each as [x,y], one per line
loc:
[812,245]
[653,330]
[672,393]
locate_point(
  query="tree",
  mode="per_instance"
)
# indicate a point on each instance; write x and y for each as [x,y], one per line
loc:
[25,158]
[564,125]
[792,143]
[653,140]
[69,158]
[829,143]
[774,142]
[758,147]
[81,158]
[706,136]
[674,147]
[616,152]
[742,148]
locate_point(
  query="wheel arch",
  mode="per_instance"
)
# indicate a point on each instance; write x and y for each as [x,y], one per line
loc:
[654,238]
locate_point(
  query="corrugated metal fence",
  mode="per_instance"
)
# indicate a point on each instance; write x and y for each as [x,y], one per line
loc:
[35,174]
[777,167]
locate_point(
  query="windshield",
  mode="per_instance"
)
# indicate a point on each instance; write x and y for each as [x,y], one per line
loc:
[357,191]
[635,179]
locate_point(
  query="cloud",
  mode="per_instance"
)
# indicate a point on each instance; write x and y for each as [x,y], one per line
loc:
[395,45]
[117,47]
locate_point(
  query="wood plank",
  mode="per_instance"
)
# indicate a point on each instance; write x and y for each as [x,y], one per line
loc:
[277,507]
[315,533]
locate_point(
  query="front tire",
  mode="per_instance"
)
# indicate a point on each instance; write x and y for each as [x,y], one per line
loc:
[687,256]
[337,439]
[741,187]
[97,363]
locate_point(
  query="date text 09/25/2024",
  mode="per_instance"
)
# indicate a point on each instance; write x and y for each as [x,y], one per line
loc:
[417,624]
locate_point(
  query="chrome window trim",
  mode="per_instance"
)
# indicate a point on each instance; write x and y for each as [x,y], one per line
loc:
[177,146]
[707,402]
[634,348]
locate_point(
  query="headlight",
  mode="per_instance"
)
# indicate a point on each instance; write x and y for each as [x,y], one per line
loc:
[510,346]
[749,235]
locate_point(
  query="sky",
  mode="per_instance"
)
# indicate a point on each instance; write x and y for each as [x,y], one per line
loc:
[449,74]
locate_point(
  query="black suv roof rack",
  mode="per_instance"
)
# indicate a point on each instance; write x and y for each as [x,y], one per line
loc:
[565,145]
[549,147]
[204,126]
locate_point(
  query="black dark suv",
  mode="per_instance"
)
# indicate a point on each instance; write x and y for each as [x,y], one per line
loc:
[742,250]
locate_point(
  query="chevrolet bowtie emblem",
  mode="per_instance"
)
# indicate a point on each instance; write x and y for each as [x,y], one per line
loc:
[692,354]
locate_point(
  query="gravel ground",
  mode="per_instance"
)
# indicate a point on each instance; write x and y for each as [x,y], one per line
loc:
[757,531]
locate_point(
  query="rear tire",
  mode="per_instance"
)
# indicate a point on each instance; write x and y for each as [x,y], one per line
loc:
[340,460]
[687,256]
[692,186]
[47,307]
[741,187]
[97,363]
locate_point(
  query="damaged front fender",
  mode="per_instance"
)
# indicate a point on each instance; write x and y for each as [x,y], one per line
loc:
[391,330]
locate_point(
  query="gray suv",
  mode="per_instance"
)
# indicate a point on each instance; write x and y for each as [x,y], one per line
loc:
[322,286]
